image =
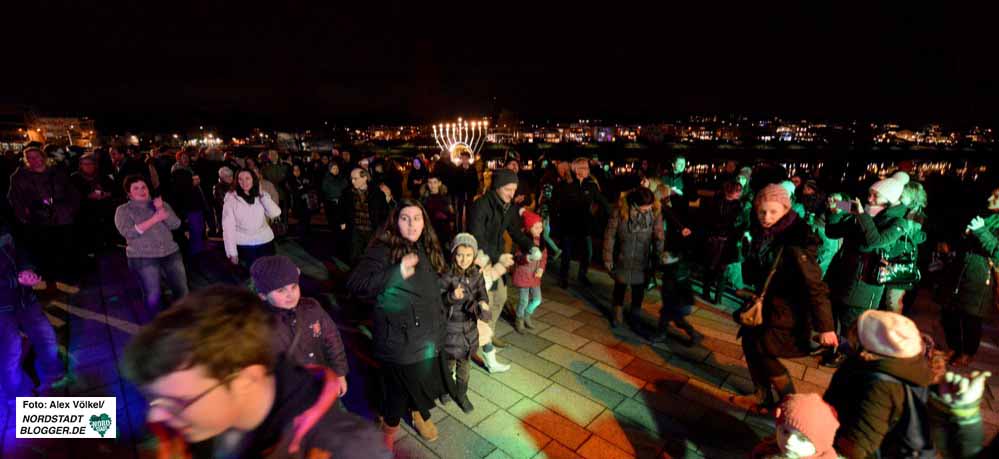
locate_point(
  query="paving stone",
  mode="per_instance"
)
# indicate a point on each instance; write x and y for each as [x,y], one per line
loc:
[513,436]
[411,448]
[90,356]
[654,355]
[692,353]
[531,361]
[529,343]
[722,347]
[819,378]
[658,377]
[92,377]
[560,336]
[698,370]
[572,405]
[643,413]
[711,397]
[738,385]
[562,322]
[560,428]
[483,408]
[624,433]
[615,379]
[598,448]
[497,454]
[796,369]
[457,440]
[588,388]
[610,356]
[522,380]
[728,364]
[592,319]
[599,334]
[556,451]
[503,328]
[566,358]
[497,392]
[717,334]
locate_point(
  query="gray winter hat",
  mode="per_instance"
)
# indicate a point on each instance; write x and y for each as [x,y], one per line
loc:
[465,239]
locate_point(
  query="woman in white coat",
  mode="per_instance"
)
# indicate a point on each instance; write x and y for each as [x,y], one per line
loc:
[245,213]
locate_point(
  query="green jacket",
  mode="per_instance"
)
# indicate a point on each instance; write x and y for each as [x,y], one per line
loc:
[869,407]
[970,286]
[863,238]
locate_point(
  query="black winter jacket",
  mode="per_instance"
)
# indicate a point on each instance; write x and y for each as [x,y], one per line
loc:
[573,200]
[970,280]
[409,321]
[462,315]
[863,238]
[318,338]
[490,218]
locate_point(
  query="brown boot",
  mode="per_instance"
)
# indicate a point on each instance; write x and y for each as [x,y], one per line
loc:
[756,402]
[518,325]
[498,342]
[527,323]
[390,433]
[426,428]
[783,385]
[618,318]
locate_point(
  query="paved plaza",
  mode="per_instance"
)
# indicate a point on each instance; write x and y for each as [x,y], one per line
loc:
[577,388]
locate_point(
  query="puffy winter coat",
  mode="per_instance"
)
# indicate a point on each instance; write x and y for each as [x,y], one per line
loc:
[864,238]
[631,242]
[970,283]
[524,270]
[409,322]
[797,300]
[870,407]
[462,315]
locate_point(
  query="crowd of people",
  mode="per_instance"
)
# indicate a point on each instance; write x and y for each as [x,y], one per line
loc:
[433,246]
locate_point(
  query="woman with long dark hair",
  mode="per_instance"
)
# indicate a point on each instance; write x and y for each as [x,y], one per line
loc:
[246,233]
[400,274]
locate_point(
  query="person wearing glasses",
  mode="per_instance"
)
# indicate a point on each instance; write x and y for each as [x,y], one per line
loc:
[216,388]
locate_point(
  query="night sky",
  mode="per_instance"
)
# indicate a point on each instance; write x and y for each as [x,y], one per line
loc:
[294,62]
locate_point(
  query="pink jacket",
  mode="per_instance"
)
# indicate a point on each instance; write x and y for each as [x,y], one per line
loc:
[523,270]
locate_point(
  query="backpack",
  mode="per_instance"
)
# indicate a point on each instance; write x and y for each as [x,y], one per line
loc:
[911,436]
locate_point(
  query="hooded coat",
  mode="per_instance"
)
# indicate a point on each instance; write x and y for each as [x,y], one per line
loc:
[631,243]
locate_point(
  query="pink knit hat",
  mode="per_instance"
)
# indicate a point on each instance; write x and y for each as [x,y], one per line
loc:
[813,417]
[773,192]
[889,334]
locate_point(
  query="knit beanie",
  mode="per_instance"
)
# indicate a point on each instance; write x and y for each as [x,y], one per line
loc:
[891,188]
[889,334]
[773,192]
[503,177]
[813,417]
[273,272]
[465,239]
[530,218]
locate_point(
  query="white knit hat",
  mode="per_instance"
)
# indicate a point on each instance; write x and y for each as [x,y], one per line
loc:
[891,188]
[889,334]
[465,239]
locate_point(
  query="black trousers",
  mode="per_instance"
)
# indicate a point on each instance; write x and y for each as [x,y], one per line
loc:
[637,295]
[763,347]
[963,331]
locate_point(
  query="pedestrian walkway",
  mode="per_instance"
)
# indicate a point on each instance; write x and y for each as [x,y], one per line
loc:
[576,388]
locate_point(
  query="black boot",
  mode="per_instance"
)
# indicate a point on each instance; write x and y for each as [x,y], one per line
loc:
[461,398]
[783,385]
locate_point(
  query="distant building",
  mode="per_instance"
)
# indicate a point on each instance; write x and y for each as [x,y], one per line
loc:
[78,132]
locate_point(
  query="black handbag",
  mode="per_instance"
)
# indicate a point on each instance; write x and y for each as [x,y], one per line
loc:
[900,270]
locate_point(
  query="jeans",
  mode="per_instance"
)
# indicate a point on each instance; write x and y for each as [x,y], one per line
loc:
[36,326]
[547,235]
[530,299]
[249,253]
[570,243]
[149,271]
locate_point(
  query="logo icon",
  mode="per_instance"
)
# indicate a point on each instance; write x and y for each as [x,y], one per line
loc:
[101,423]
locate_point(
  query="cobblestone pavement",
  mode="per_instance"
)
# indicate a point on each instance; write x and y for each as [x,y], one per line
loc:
[577,388]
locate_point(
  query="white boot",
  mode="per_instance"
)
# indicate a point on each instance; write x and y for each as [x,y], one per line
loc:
[492,364]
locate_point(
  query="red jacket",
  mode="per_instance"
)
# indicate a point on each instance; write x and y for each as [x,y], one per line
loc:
[523,270]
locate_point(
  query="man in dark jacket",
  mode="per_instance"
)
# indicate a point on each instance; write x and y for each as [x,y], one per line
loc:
[21,312]
[492,215]
[209,371]
[95,223]
[189,202]
[869,390]
[362,212]
[574,220]
[463,182]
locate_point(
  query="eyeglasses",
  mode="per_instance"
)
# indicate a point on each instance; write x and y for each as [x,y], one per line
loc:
[176,406]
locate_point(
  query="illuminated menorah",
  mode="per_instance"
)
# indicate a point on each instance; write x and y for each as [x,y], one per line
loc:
[453,138]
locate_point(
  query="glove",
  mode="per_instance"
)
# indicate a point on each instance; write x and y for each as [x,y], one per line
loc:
[481,260]
[506,260]
[534,254]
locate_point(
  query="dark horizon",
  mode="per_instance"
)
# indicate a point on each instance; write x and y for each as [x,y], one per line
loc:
[289,65]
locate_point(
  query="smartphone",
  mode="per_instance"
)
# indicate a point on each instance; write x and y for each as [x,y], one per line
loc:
[845,206]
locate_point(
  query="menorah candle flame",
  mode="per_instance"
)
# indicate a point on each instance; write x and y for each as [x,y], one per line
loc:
[453,138]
